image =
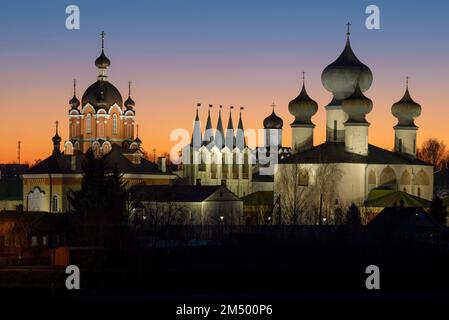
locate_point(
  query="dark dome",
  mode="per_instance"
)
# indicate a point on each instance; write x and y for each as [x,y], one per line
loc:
[102,94]
[273,122]
[129,103]
[74,102]
[56,139]
[102,61]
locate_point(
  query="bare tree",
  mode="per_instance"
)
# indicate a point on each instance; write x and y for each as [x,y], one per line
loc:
[434,152]
[292,185]
[300,187]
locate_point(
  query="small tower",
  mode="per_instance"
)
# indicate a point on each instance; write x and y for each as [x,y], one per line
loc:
[196,135]
[341,78]
[405,110]
[240,133]
[129,103]
[102,62]
[302,108]
[74,102]
[229,138]
[357,106]
[56,141]
[273,129]
[208,137]
[219,133]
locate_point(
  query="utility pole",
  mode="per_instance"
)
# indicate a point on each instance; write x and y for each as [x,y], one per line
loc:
[18,151]
[154,155]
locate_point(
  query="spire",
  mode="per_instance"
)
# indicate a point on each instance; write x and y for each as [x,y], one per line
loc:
[230,138]
[240,133]
[219,133]
[208,134]
[74,102]
[196,135]
[348,32]
[137,139]
[129,103]
[102,62]
[56,140]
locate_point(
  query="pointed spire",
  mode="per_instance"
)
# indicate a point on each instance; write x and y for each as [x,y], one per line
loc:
[208,133]
[348,32]
[230,138]
[240,133]
[219,133]
[196,135]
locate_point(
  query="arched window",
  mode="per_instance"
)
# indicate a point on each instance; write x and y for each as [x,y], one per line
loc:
[106,147]
[419,192]
[54,204]
[68,148]
[89,123]
[372,178]
[114,124]
[303,178]
[422,178]
[388,178]
[405,178]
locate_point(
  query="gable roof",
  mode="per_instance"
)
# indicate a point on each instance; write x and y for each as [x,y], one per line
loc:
[63,163]
[258,198]
[334,152]
[403,217]
[175,193]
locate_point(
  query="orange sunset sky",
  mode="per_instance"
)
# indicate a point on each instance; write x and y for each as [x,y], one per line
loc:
[230,54]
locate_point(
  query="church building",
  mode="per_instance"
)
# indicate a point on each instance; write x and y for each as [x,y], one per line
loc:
[102,122]
[345,168]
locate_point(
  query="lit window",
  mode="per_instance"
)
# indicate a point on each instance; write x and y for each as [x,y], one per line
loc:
[54,204]
[114,124]
[34,241]
[89,123]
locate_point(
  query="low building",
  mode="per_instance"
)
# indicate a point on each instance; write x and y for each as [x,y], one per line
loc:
[186,204]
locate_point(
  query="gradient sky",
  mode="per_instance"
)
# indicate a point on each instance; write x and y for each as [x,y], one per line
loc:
[230,52]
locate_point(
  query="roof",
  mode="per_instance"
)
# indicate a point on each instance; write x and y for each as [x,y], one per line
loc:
[392,198]
[258,198]
[334,152]
[403,217]
[12,169]
[173,193]
[63,163]
[11,188]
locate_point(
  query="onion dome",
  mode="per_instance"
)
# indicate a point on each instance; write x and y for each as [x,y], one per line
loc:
[129,103]
[137,140]
[74,102]
[303,107]
[357,106]
[102,94]
[342,75]
[56,140]
[102,62]
[273,121]
[406,110]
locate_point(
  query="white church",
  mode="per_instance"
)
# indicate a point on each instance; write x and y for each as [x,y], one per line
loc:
[345,168]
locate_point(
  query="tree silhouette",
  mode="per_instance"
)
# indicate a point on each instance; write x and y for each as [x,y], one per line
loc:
[438,211]
[99,207]
[353,216]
